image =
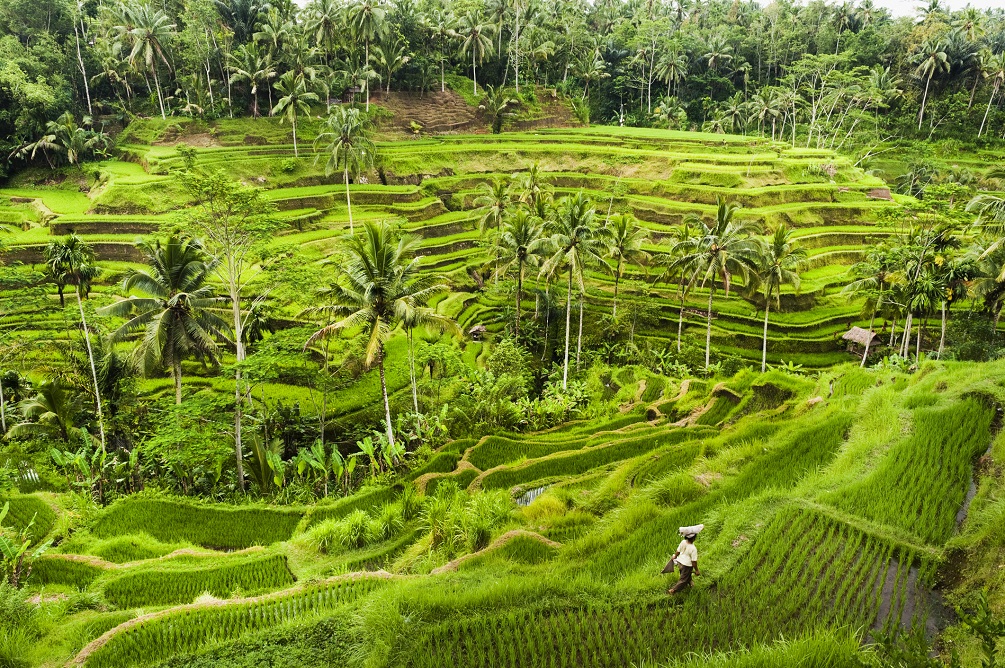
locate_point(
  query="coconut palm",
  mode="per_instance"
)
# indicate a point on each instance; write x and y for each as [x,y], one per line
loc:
[366,19]
[390,56]
[415,315]
[532,186]
[874,275]
[575,243]
[378,288]
[931,60]
[296,99]
[491,203]
[248,63]
[67,139]
[51,413]
[72,262]
[150,31]
[994,69]
[721,248]
[496,104]
[623,239]
[177,315]
[475,40]
[778,264]
[718,51]
[345,141]
[671,257]
[522,243]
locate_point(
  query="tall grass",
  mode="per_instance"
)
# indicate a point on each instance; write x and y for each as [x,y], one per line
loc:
[168,585]
[192,628]
[213,526]
[921,483]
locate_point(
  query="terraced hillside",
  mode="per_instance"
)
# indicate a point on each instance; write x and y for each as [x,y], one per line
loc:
[830,505]
[429,186]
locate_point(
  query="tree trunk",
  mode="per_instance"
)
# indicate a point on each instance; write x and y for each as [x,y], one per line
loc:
[235,300]
[680,323]
[3,410]
[568,326]
[708,330]
[579,337]
[387,403]
[443,78]
[176,372]
[474,73]
[62,299]
[519,298]
[348,202]
[411,373]
[94,372]
[160,99]
[617,279]
[366,83]
[917,353]
[865,354]
[988,110]
[83,70]
[296,153]
[764,345]
[893,331]
[547,319]
[924,98]
[942,338]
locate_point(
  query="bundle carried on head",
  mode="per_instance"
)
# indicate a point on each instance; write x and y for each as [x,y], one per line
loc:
[691,531]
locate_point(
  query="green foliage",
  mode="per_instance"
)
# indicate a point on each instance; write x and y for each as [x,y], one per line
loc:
[171,584]
[195,627]
[921,483]
[215,526]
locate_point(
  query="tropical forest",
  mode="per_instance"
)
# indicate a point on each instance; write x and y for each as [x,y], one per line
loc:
[502,334]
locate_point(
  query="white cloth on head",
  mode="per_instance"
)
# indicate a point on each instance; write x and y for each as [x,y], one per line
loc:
[688,553]
[686,531]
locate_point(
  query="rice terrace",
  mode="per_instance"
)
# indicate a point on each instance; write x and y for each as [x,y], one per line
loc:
[501,333]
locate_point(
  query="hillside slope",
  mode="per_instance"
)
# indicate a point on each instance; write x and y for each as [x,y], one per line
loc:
[827,514]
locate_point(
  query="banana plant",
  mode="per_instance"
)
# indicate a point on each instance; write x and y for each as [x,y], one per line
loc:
[277,466]
[369,447]
[14,546]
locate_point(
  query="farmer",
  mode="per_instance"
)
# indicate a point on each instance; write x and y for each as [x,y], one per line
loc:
[686,557]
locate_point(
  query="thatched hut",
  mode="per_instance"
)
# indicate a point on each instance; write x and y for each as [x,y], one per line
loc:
[858,338]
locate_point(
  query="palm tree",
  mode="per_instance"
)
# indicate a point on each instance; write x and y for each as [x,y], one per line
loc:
[250,64]
[672,258]
[150,33]
[723,247]
[72,261]
[379,287]
[491,204]
[66,138]
[532,184]
[575,243]
[623,238]
[325,22]
[495,103]
[994,69]
[415,315]
[672,68]
[476,41]
[366,18]
[51,413]
[874,276]
[391,56]
[778,264]
[296,99]
[931,59]
[522,243]
[177,315]
[347,145]
[718,51]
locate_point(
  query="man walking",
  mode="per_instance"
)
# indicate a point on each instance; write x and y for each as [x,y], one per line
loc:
[686,557]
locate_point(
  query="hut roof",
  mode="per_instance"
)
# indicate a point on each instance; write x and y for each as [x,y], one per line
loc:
[478,329]
[859,336]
